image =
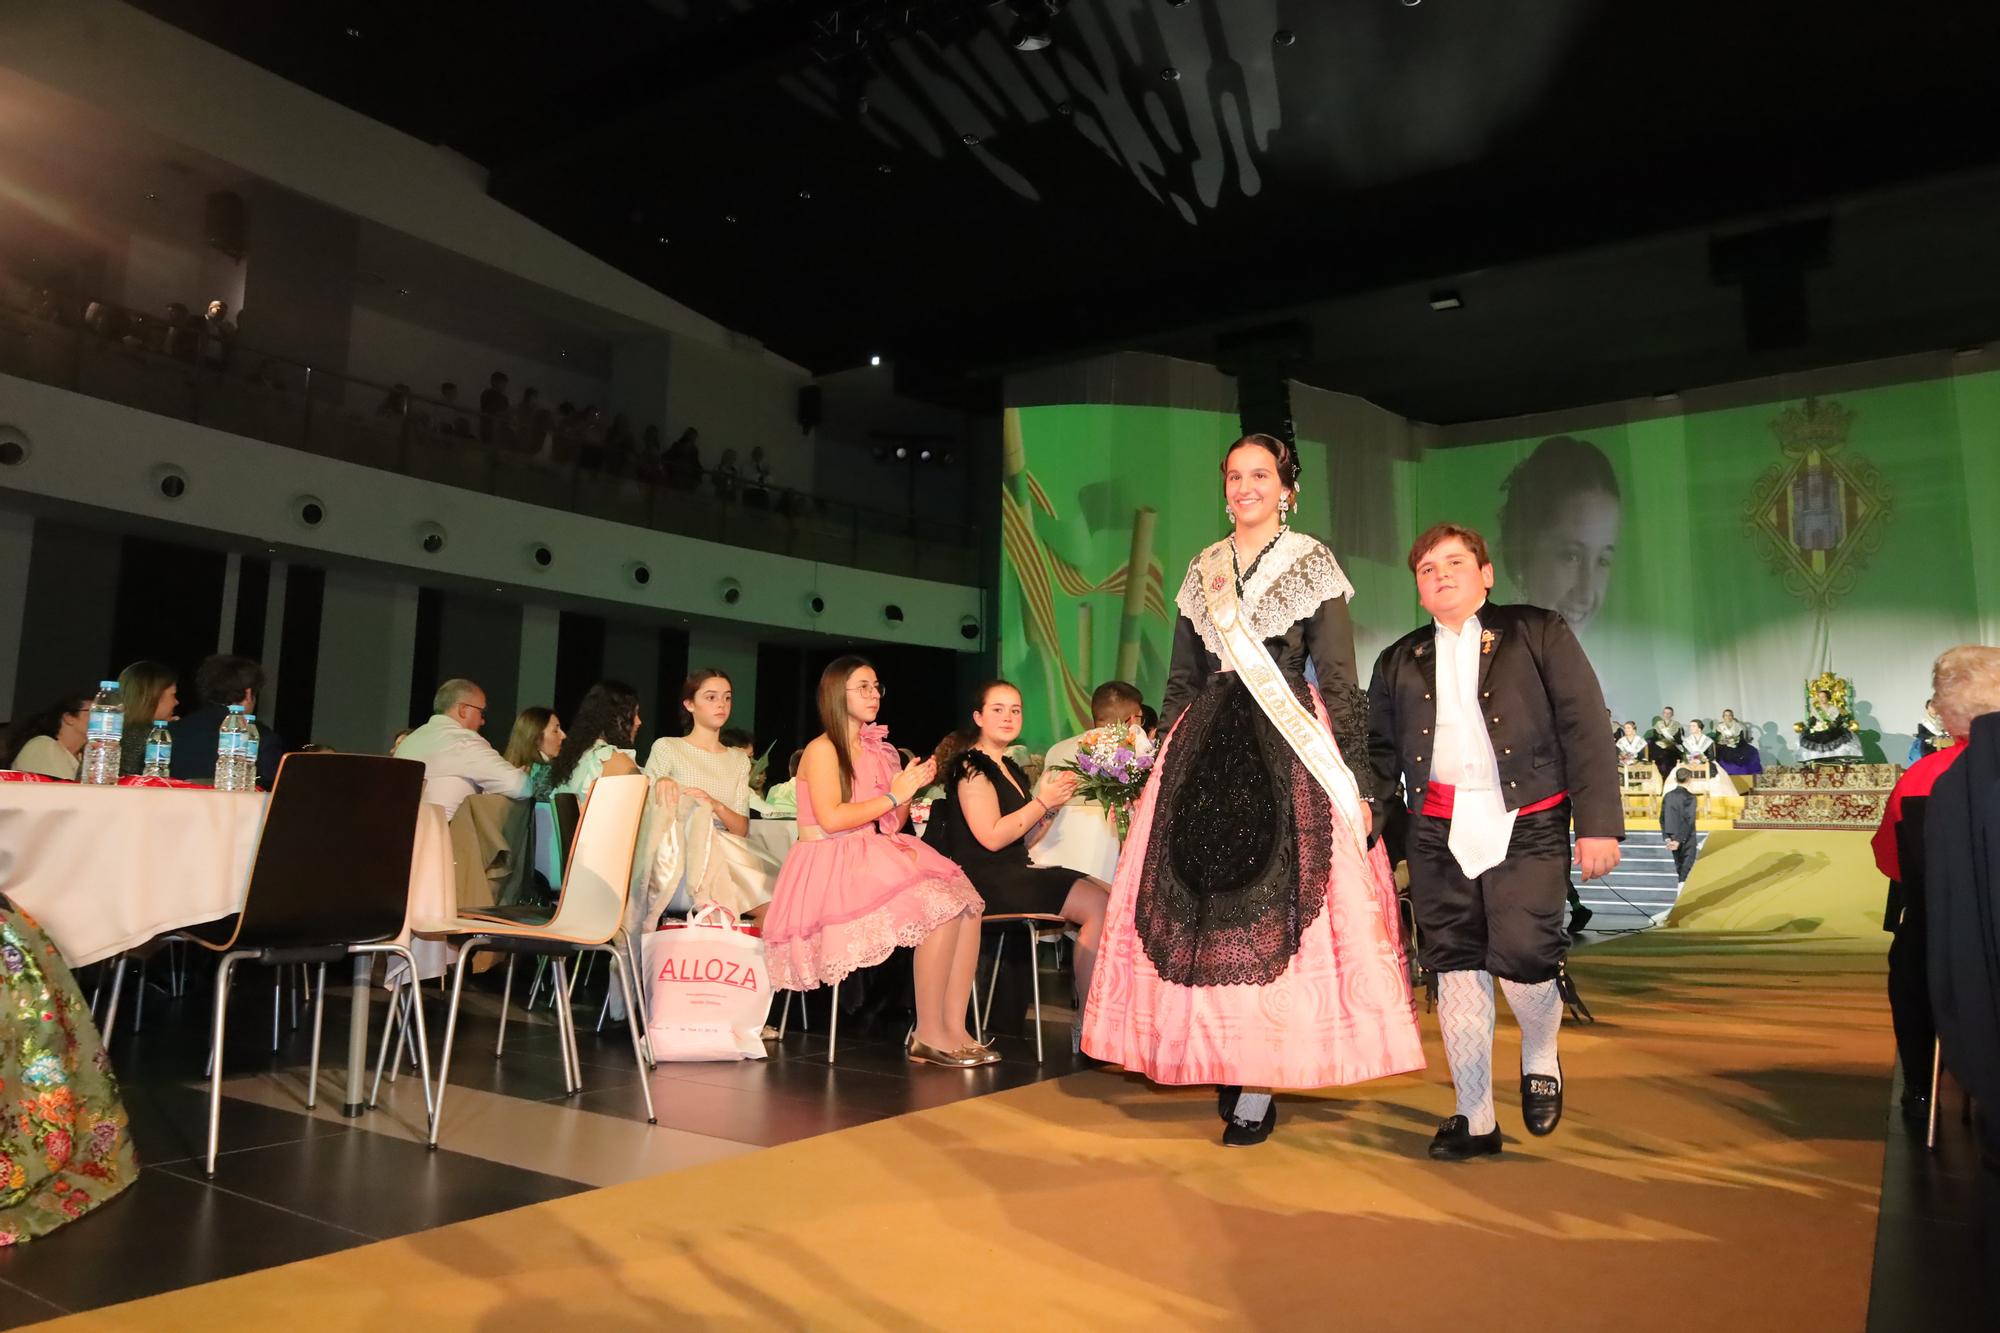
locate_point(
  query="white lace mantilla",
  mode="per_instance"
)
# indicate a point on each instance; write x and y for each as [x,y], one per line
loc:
[1290,583]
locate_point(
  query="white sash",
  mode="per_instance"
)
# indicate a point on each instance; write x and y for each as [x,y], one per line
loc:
[1245,653]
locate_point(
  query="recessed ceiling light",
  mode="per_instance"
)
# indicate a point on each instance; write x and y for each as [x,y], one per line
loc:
[969,140]
[354,32]
[1284,37]
[152,198]
[884,168]
[874,360]
[663,240]
[1170,75]
[729,217]
[805,194]
[402,291]
[1446,301]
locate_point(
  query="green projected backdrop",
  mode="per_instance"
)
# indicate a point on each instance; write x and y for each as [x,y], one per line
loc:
[1709,560]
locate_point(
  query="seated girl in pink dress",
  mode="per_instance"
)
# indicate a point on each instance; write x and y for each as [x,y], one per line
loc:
[856,886]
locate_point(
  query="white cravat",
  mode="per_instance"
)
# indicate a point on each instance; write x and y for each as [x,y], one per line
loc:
[1481,823]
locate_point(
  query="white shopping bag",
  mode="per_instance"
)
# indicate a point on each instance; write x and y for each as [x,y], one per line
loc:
[709,991]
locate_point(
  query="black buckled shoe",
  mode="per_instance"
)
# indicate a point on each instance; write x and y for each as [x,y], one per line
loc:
[1542,1102]
[1238,1134]
[1455,1141]
[1225,1099]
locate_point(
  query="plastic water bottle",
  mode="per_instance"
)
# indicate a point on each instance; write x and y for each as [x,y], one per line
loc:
[159,751]
[255,740]
[232,741]
[101,747]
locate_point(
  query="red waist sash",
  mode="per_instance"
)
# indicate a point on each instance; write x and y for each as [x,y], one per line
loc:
[1438,799]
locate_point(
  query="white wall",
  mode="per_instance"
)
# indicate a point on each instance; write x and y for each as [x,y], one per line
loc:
[738,402]
[107,456]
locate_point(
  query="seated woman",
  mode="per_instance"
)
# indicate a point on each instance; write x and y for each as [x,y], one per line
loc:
[856,886]
[64,1143]
[1634,762]
[988,820]
[714,779]
[1707,778]
[600,739]
[1733,750]
[1827,736]
[534,744]
[1664,742]
[151,693]
[1931,735]
[50,742]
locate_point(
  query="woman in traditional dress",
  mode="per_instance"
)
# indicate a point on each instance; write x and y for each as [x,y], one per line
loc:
[65,1146]
[1931,734]
[991,815]
[1733,749]
[1663,741]
[1827,736]
[856,886]
[1699,748]
[720,864]
[1252,935]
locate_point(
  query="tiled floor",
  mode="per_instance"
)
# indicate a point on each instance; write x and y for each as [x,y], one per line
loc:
[291,1183]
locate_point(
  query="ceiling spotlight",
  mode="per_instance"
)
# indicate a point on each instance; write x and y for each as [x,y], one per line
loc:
[663,240]
[902,452]
[354,32]
[1446,301]
[969,140]
[805,194]
[874,360]
[1031,23]
[402,291]
[1065,109]
[1284,37]
[884,168]
[729,217]
[923,455]
[1170,75]
[1411,4]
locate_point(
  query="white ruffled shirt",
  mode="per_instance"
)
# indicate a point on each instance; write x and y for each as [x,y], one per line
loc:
[1462,755]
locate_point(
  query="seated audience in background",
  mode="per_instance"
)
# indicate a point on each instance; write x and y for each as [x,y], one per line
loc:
[782,800]
[493,407]
[990,817]
[151,693]
[452,421]
[600,739]
[1965,683]
[218,335]
[713,777]
[1962,872]
[220,681]
[536,741]
[50,742]
[457,760]
[178,334]
[1081,836]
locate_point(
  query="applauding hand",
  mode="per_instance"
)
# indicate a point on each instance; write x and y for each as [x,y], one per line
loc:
[1056,788]
[916,776]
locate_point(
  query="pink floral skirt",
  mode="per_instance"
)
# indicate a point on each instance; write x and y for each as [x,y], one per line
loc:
[846,902]
[1339,1013]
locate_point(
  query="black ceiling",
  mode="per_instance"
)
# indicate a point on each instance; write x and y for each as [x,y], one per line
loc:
[755,160]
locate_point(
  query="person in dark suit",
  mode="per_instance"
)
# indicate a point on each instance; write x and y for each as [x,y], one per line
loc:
[1677,824]
[1962,855]
[1490,719]
[220,681]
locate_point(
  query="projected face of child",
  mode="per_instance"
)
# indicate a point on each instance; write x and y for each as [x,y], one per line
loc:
[1569,557]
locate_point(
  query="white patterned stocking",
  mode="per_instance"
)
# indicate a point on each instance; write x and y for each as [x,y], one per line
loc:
[1465,1014]
[1538,1009]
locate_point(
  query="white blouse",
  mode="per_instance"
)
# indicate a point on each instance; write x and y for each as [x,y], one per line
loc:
[591,766]
[45,755]
[723,774]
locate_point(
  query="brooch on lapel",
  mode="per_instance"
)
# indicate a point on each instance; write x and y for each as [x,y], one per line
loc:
[1215,584]
[1486,637]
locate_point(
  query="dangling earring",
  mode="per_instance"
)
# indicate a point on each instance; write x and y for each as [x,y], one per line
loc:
[1226,512]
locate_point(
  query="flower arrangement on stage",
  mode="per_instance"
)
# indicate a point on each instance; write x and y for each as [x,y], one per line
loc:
[1829,714]
[1112,763]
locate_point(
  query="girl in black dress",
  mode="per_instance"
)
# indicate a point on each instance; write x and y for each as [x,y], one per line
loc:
[988,819]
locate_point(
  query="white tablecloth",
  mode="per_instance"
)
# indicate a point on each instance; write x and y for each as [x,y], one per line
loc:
[104,869]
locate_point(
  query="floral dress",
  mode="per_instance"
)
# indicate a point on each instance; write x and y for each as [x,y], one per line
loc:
[64,1143]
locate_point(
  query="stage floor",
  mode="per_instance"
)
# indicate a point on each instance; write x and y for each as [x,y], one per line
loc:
[1719,1167]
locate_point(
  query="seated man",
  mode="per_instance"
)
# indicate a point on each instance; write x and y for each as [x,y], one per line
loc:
[457,760]
[219,682]
[1081,836]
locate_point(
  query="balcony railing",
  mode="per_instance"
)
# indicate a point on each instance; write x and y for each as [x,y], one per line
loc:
[233,388]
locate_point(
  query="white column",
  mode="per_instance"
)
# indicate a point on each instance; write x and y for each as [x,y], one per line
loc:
[232,584]
[537,680]
[367,650]
[274,634]
[17,542]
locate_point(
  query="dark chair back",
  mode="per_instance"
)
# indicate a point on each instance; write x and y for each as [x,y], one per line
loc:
[333,859]
[1910,859]
[569,810]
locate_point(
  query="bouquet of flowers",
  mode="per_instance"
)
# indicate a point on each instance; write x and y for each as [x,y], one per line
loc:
[1111,765]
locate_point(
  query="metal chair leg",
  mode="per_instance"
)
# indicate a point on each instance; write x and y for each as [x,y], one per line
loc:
[465,952]
[110,1023]
[535,988]
[785,1014]
[993,983]
[566,1029]
[382,1054]
[833,1024]
[420,1043]
[416,989]
[635,983]
[620,978]
[506,995]
[222,974]
[319,1021]
[1035,985]
[1937,1061]
[139,1000]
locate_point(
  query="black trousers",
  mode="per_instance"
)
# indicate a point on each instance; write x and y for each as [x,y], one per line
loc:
[1684,857]
[1910,1006]
[1509,921]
